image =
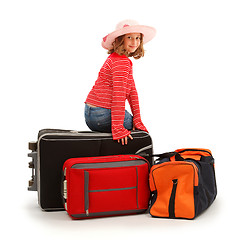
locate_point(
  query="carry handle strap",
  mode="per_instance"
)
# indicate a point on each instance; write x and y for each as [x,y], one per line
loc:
[164,155]
[193,151]
[181,154]
[161,156]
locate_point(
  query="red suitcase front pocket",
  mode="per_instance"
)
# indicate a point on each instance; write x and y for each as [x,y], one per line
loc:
[110,190]
[106,187]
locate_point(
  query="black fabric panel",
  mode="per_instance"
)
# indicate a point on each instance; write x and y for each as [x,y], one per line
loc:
[53,155]
[206,191]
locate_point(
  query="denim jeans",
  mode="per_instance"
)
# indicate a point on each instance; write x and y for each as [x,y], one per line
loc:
[99,119]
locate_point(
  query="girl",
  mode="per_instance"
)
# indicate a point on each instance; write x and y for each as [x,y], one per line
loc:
[105,104]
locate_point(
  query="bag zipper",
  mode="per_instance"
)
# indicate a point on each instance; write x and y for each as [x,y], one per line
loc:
[171,206]
[129,162]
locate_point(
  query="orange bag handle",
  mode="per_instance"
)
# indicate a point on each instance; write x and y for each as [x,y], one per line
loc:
[200,151]
[193,153]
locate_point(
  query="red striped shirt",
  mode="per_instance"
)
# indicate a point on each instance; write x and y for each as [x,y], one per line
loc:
[114,85]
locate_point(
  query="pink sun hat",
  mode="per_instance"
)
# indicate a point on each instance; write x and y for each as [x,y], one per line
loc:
[128,26]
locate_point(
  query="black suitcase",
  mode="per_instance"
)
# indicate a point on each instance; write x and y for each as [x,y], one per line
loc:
[55,146]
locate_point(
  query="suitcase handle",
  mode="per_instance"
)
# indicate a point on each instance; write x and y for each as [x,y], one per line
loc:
[159,156]
[181,154]
[164,155]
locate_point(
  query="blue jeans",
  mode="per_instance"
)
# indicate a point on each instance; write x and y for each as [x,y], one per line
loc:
[99,119]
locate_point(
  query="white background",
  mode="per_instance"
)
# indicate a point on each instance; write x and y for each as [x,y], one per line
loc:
[50,55]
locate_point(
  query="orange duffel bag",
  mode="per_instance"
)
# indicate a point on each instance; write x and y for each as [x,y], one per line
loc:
[182,183]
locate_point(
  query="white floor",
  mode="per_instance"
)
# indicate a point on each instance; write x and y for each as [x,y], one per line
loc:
[23,217]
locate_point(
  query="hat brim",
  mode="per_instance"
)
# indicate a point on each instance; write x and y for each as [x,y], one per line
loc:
[148,34]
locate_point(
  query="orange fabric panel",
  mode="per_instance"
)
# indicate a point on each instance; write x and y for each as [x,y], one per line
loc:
[187,176]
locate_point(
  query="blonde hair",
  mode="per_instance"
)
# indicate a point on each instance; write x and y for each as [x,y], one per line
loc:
[117,46]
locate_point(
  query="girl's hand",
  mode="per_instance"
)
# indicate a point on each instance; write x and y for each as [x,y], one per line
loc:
[125,139]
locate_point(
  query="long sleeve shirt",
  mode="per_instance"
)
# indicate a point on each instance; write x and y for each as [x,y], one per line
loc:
[114,85]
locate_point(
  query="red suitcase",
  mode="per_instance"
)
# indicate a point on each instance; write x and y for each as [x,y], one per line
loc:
[106,186]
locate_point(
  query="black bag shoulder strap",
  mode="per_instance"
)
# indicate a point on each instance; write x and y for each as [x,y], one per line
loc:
[164,155]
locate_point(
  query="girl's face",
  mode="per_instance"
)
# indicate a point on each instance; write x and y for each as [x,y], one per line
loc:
[132,42]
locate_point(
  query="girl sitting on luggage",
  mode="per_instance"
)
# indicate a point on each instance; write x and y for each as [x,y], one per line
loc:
[105,104]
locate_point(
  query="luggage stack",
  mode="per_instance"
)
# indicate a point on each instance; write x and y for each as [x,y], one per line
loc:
[89,175]
[55,146]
